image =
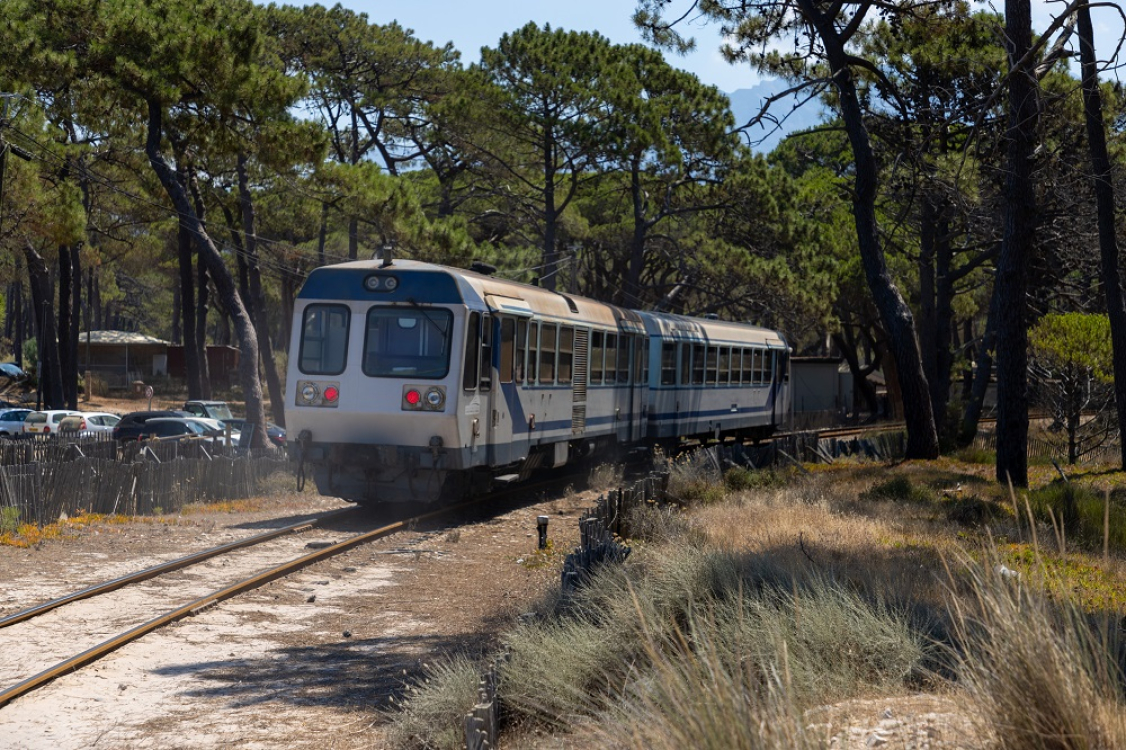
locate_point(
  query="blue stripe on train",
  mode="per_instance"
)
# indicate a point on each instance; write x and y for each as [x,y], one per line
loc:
[347,284]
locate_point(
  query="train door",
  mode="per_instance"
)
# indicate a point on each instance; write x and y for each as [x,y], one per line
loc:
[503,397]
[477,385]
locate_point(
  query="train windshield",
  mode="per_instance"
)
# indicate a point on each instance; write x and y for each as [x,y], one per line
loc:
[324,340]
[407,343]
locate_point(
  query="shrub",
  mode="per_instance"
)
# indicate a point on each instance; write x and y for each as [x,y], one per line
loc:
[433,710]
[898,489]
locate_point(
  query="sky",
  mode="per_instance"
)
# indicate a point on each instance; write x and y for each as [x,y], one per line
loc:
[472,24]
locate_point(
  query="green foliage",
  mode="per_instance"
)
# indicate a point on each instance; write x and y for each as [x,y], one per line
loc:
[1072,341]
[9,519]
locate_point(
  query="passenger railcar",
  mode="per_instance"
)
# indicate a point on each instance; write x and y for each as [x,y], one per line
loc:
[413,382]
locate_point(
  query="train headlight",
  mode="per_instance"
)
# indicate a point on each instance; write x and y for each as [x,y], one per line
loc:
[309,393]
[332,393]
[412,398]
[435,398]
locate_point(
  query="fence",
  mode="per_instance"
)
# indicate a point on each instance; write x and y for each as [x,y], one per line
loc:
[43,492]
[1038,448]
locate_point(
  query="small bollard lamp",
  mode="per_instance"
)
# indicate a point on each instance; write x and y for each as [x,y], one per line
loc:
[541,526]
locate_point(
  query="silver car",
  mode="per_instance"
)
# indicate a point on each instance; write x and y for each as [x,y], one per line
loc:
[11,421]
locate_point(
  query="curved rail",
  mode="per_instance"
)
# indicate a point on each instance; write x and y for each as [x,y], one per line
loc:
[204,602]
[177,564]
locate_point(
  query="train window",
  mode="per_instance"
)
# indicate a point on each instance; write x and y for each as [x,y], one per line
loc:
[625,348]
[784,365]
[611,358]
[521,349]
[566,353]
[486,373]
[472,352]
[668,363]
[401,342]
[724,365]
[548,334]
[324,339]
[712,359]
[533,350]
[697,364]
[748,376]
[643,361]
[507,349]
[685,363]
[766,364]
[597,353]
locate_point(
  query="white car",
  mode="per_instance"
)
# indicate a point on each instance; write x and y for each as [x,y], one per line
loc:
[11,421]
[89,422]
[45,422]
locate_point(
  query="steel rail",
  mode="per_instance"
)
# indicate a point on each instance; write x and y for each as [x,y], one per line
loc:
[177,564]
[93,654]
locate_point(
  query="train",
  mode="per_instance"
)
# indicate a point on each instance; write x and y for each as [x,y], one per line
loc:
[410,382]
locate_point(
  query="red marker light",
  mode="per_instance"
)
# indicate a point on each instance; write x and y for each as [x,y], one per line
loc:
[331,393]
[413,397]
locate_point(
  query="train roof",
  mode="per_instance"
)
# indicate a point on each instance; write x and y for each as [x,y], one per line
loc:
[430,283]
[674,326]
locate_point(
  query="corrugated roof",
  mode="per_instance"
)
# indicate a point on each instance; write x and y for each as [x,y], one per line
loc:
[118,337]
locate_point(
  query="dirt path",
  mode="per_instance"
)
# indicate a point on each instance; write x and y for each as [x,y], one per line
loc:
[305,662]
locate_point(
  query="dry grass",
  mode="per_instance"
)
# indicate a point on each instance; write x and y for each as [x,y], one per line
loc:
[850,605]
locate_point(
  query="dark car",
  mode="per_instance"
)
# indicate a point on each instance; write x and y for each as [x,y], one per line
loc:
[130,426]
[164,428]
[273,432]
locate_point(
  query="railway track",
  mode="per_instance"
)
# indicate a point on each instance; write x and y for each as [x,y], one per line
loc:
[185,605]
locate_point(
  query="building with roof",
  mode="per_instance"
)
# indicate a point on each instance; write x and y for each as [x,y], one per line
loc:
[121,357]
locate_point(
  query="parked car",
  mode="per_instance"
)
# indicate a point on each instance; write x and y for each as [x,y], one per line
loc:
[129,428]
[162,428]
[209,409]
[11,421]
[44,422]
[275,434]
[89,422]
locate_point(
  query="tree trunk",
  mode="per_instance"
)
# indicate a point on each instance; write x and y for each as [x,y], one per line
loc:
[1104,197]
[49,373]
[903,345]
[68,368]
[1016,250]
[248,339]
[187,308]
[256,301]
[201,311]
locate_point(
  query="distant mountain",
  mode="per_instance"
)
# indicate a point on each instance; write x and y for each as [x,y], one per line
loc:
[747,103]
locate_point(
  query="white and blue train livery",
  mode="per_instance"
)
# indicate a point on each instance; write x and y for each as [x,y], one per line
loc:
[414,382]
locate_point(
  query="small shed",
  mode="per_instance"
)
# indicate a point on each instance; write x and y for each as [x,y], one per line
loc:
[820,393]
[120,357]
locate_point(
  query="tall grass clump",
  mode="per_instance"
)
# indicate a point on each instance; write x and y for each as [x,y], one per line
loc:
[697,697]
[695,478]
[1035,672]
[645,645]
[1082,513]
[432,711]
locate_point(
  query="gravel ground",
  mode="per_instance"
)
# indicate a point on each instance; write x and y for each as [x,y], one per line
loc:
[307,661]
